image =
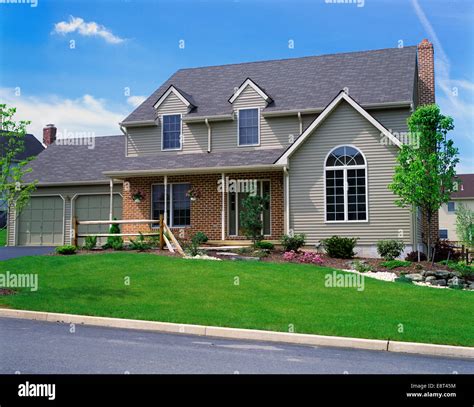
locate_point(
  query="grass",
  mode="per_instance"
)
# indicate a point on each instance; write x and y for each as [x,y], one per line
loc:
[270,296]
[3,237]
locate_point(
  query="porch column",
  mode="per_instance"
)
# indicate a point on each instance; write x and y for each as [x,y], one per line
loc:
[111,204]
[166,197]
[223,207]
[286,194]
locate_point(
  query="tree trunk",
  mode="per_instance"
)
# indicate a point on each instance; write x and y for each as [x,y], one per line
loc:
[429,235]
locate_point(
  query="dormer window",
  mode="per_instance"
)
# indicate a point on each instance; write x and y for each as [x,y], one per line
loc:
[171,132]
[249,127]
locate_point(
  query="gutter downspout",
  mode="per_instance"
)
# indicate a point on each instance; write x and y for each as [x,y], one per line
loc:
[111,205]
[209,146]
[286,180]
[223,207]
[300,119]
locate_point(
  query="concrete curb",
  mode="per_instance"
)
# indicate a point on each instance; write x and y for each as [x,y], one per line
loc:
[248,334]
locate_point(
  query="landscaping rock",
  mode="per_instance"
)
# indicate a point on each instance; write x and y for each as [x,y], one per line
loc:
[440,282]
[471,285]
[414,277]
[245,258]
[442,274]
[456,281]
[430,279]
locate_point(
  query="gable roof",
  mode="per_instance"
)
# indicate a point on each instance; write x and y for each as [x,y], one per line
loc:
[341,96]
[466,187]
[183,96]
[254,86]
[373,77]
[32,146]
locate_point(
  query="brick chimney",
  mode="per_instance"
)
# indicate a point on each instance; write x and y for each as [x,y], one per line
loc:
[426,96]
[426,81]
[49,134]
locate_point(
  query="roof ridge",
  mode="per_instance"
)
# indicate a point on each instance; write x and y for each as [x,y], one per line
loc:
[293,58]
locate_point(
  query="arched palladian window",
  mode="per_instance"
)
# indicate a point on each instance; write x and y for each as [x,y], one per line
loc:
[346,185]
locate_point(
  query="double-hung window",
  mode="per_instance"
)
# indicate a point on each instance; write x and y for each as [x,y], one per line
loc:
[171,132]
[346,185]
[177,205]
[249,132]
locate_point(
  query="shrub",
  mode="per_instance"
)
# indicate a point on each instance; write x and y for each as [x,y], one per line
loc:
[90,242]
[390,249]
[403,279]
[294,242]
[340,247]
[66,250]
[443,249]
[361,267]
[251,217]
[305,257]
[140,243]
[265,245]
[460,267]
[393,264]
[200,238]
[413,257]
[114,241]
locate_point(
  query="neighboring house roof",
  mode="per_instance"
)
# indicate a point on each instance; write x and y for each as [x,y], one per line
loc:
[32,147]
[466,186]
[372,78]
[63,164]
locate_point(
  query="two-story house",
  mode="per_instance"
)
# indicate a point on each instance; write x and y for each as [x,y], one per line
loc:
[318,135]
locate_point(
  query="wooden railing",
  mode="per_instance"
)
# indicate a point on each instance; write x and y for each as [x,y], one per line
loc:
[164,232]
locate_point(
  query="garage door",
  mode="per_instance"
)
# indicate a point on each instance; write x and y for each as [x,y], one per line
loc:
[41,223]
[95,207]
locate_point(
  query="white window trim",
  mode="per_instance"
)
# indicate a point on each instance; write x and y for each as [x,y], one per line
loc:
[181,138]
[254,86]
[169,210]
[258,127]
[346,203]
[237,220]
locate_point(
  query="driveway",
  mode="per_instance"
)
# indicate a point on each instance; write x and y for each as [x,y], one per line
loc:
[12,252]
[35,347]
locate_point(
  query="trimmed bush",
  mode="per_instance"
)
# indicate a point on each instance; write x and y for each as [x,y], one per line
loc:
[361,267]
[66,250]
[393,264]
[200,238]
[294,242]
[90,242]
[114,242]
[390,249]
[413,257]
[265,245]
[117,243]
[340,247]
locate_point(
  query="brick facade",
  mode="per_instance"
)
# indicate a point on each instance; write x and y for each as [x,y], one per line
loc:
[426,96]
[206,210]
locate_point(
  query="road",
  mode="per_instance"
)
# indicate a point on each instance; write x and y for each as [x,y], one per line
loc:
[33,347]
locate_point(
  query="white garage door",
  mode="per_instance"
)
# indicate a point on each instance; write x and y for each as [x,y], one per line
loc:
[41,223]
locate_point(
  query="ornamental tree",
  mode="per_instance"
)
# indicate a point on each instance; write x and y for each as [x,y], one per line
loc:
[251,217]
[465,225]
[13,191]
[424,176]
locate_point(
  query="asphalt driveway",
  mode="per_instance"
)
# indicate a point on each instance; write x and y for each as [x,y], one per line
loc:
[12,252]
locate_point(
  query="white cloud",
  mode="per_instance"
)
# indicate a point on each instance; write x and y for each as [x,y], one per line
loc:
[135,101]
[85,114]
[91,29]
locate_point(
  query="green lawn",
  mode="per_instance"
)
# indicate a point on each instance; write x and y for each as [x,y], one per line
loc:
[3,237]
[269,296]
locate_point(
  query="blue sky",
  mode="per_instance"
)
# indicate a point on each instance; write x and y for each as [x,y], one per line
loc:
[135,45]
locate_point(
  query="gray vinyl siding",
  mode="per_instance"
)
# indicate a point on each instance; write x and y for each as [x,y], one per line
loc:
[67,193]
[392,119]
[143,141]
[385,219]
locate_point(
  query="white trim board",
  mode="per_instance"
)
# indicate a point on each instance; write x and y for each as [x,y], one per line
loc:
[283,160]
[177,93]
[254,86]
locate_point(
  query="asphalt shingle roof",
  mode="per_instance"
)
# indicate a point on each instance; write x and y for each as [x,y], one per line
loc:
[32,146]
[466,187]
[67,163]
[380,76]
